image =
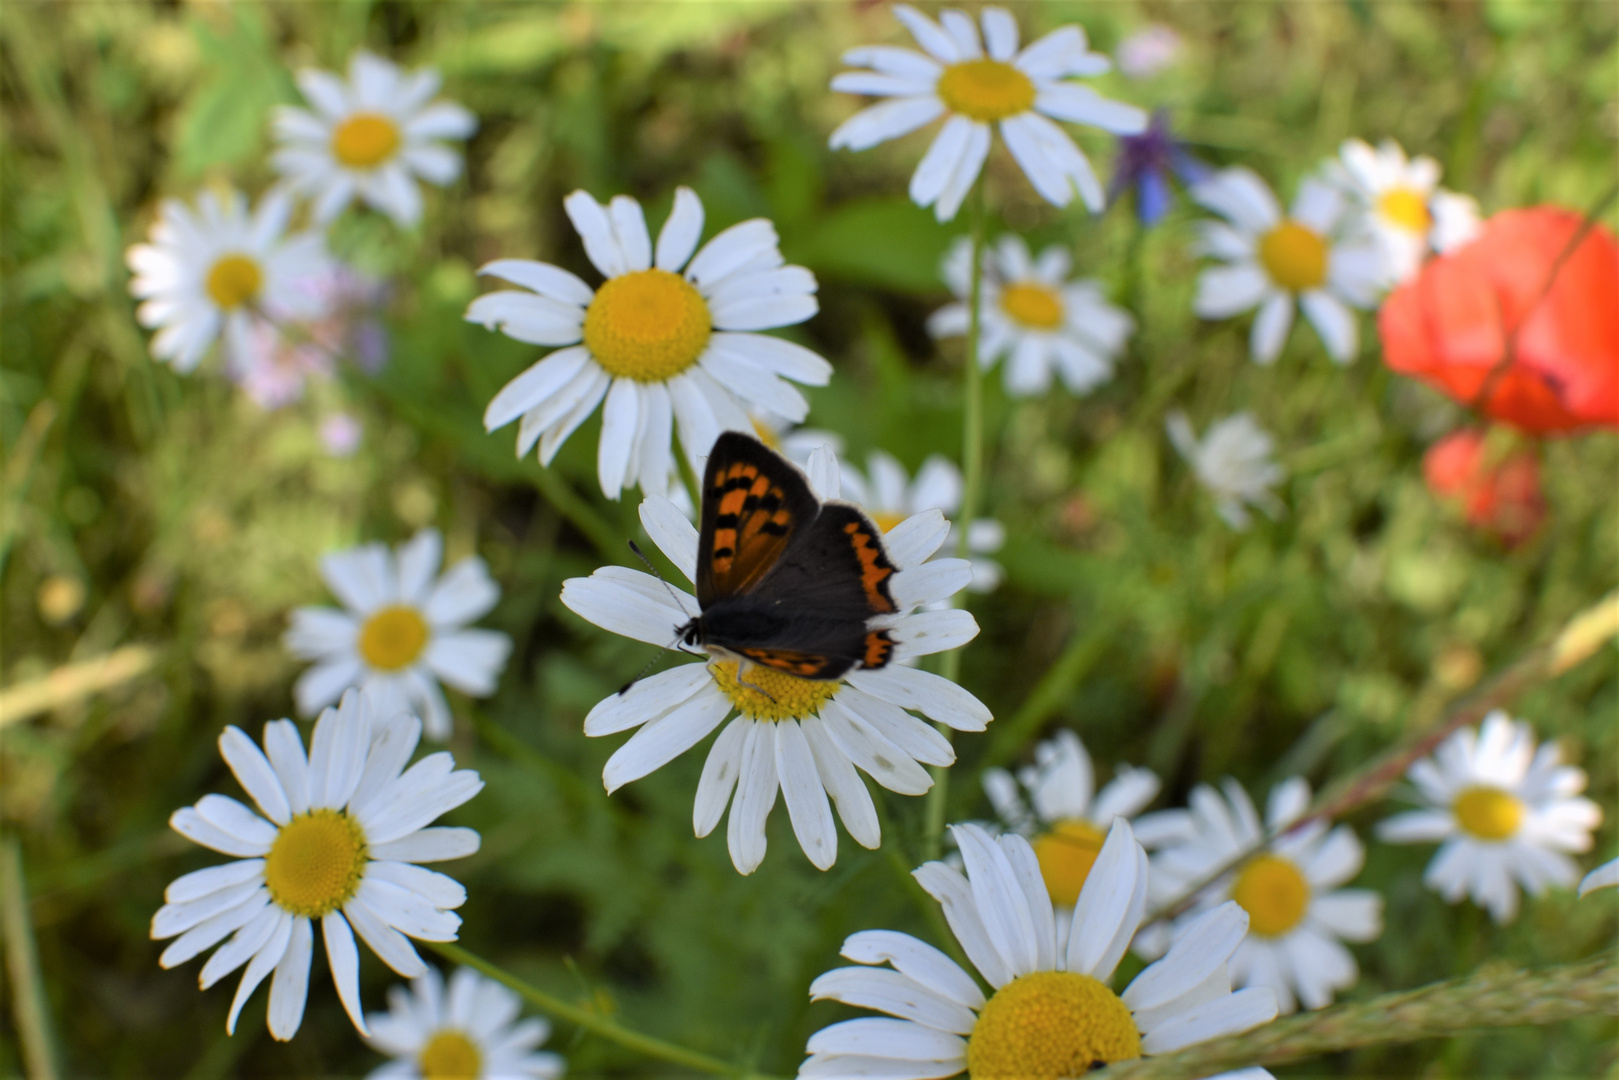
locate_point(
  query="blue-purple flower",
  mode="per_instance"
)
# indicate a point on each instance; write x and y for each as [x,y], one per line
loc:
[1146,162]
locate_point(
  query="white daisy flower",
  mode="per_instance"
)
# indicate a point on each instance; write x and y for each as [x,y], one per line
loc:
[1020,92]
[1504,811]
[1410,213]
[1036,316]
[667,348]
[369,137]
[1050,1013]
[1235,460]
[346,827]
[789,440]
[217,269]
[804,736]
[1312,255]
[402,632]
[1297,913]
[891,497]
[468,1033]
[1605,876]
[1066,819]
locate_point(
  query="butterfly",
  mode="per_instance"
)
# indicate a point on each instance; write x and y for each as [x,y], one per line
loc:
[786,580]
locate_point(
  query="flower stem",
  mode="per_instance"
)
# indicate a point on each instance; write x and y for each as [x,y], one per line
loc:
[593,1022]
[972,472]
[29,1007]
[1488,998]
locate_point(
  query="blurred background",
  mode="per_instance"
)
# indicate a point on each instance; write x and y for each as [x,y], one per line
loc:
[178,515]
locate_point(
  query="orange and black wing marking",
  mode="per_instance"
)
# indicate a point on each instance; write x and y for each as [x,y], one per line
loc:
[753,502]
[786,580]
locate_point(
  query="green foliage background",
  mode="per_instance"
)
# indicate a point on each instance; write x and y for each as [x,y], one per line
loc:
[193,521]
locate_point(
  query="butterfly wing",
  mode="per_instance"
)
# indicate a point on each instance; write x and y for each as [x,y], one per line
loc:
[808,615]
[754,503]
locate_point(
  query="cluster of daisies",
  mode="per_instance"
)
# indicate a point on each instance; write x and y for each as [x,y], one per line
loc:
[1240,917]
[260,280]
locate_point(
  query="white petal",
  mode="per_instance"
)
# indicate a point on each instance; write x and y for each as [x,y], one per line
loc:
[665,738]
[1270,329]
[549,281]
[719,776]
[916,960]
[934,631]
[801,789]
[522,316]
[434,844]
[669,528]
[879,1036]
[1110,906]
[843,784]
[607,600]
[932,695]
[872,752]
[392,947]
[647,699]
[886,120]
[679,235]
[253,770]
[1242,1011]
[629,227]
[1203,947]
[955,896]
[263,962]
[1223,291]
[601,244]
[1334,322]
[230,816]
[895,994]
[755,797]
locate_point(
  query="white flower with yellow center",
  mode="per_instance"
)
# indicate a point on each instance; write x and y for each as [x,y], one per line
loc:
[1410,213]
[1018,92]
[466,1032]
[667,339]
[1605,876]
[887,494]
[1033,314]
[1050,1013]
[341,833]
[369,138]
[1314,256]
[402,632]
[1235,460]
[1066,819]
[1297,912]
[806,737]
[217,269]
[1503,810]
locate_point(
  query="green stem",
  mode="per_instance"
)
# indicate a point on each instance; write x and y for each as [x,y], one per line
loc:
[22,962]
[972,473]
[1488,998]
[593,1022]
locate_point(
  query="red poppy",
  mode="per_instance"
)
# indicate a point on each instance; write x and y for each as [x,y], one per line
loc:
[1498,494]
[1491,320]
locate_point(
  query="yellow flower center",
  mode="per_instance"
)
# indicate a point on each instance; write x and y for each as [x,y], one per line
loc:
[764,693]
[886,522]
[1405,208]
[316,862]
[365,140]
[767,435]
[985,89]
[1066,854]
[234,280]
[1294,256]
[1032,304]
[648,325]
[1050,1025]
[393,637]
[1488,812]
[450,1055]
[1273,892]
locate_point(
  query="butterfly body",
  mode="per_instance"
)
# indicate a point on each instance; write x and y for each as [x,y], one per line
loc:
[785,580]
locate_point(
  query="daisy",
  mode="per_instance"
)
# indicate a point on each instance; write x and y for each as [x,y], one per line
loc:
[1022,92]
[346,826]
[1235,460]
[1410,213]
[1066,817]
[468,1033]
[890,497]
[804,736]
[1297,913]
[1051,1012]
[369,137]
[219,269]
[1313,255]
[791,441]
[1605,876]
[1036,316]
[667,348]
[402,632]
[1504,811]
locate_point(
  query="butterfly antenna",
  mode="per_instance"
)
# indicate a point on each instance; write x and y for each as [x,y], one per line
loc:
[639,554]
[673,595]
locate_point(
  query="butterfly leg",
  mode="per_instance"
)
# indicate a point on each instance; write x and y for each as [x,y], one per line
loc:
[742,668]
